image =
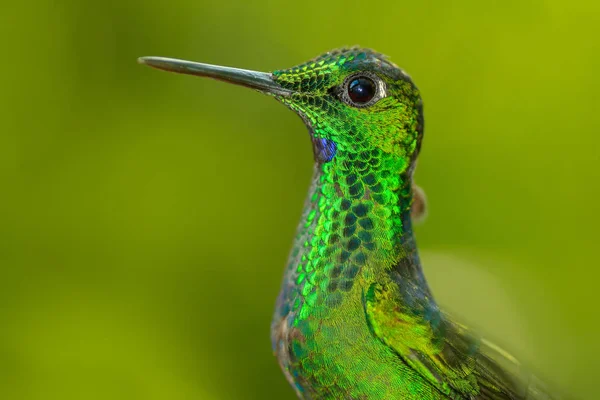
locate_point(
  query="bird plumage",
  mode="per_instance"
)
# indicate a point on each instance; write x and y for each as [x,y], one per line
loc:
[355,318]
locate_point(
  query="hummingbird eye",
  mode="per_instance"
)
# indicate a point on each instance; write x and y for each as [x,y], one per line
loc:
[361,90]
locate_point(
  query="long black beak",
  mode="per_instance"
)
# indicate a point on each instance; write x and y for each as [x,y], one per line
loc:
[260,81]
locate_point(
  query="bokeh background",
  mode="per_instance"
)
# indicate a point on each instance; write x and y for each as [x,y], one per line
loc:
[146,217]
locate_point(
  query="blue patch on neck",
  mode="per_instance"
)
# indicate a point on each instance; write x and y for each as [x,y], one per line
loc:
[325,149]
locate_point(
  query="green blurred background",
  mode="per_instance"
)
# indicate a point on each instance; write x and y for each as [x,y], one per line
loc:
[146,217]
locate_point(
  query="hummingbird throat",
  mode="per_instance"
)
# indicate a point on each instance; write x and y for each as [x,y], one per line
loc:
[355,225]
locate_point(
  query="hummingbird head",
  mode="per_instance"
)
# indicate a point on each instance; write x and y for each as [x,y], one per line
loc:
[355,102]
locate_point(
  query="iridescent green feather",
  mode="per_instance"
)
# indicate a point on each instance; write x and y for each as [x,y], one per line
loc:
[355,318]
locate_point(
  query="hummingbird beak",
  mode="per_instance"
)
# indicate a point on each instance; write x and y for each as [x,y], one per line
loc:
[260,81]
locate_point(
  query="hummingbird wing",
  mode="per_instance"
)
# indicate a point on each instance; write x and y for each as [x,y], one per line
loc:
[448,355]
[501,375]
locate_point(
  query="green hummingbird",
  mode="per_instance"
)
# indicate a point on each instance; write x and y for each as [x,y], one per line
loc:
[355,318]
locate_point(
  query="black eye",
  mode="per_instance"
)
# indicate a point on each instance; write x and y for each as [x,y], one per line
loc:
[361,89]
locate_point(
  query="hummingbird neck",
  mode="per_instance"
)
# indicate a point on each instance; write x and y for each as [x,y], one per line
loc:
[355,227]
[363,205]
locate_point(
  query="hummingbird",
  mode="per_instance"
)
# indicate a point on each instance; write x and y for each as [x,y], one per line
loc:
[355,317]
